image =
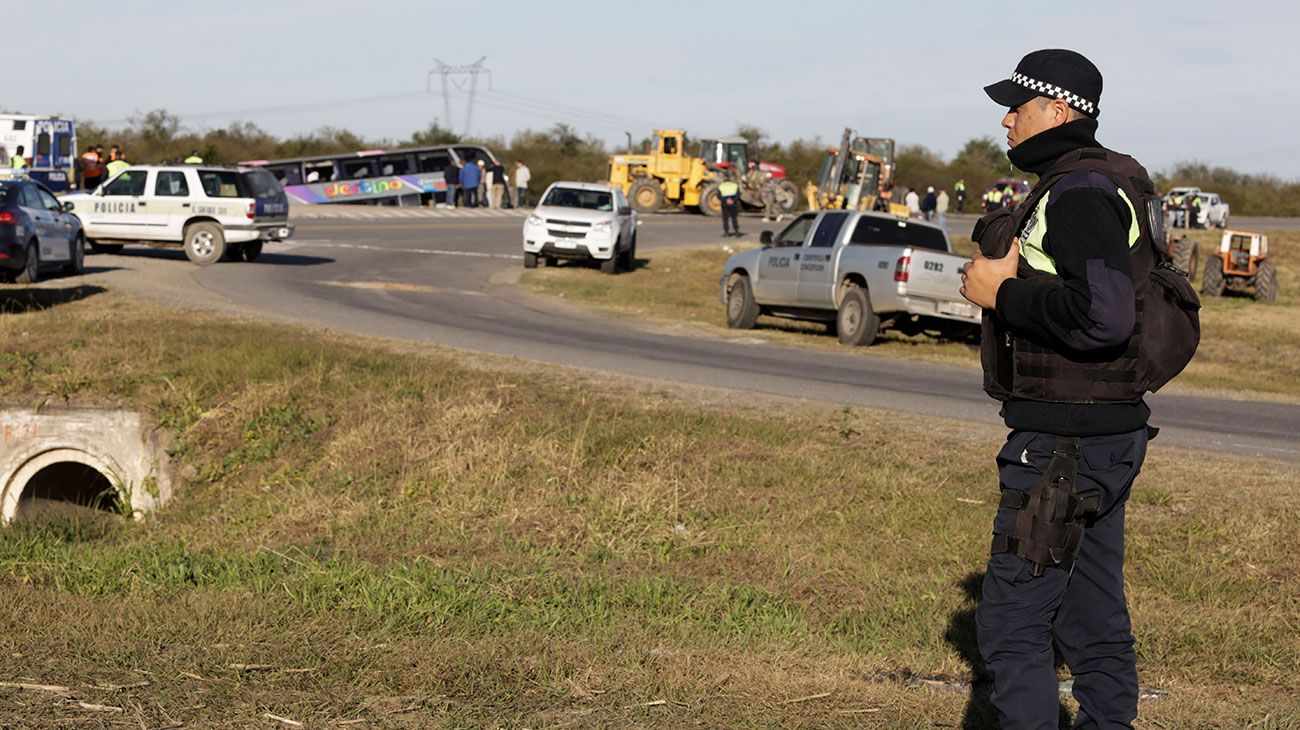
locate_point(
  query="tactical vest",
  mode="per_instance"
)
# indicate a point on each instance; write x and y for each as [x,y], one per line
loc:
[1167,327]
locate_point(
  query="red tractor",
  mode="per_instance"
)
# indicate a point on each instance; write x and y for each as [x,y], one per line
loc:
[761,183]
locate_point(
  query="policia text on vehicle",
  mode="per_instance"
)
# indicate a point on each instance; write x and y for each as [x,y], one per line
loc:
[1083,316]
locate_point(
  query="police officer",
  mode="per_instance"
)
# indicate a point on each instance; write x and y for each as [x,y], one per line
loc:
[1180,210]
[117,161]
[729,192]
[960,190]
[18,162]
[1060,309]
[194,158]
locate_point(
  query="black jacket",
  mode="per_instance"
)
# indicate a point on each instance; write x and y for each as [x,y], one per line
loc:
[1092,306]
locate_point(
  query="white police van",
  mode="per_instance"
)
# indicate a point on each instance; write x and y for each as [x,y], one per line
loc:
[211,211]
[49,144]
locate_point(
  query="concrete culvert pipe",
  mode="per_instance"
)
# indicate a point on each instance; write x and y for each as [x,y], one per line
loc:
[71,488]
[79,462]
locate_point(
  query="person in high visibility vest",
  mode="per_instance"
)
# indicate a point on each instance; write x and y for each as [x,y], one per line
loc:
[18,162]
[118,163]
[729,192]
[960,190]
[194,158]
[1178,203]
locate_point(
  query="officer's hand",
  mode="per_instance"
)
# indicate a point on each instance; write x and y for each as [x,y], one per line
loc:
[982,276]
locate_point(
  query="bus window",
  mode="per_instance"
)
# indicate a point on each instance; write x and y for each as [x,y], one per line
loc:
[322,171]
[64,144]
[288,174]
[358,169]
[394,164]
[434,161]
[473,154]
[43,144]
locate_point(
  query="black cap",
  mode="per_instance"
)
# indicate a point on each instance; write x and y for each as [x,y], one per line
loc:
[1055,73]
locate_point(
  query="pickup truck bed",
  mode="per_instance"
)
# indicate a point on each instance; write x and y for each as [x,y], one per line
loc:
[862,271]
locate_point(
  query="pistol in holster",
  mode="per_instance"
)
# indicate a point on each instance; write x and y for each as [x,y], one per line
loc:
[1052,515]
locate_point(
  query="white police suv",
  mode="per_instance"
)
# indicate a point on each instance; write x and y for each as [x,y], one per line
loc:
[211,211]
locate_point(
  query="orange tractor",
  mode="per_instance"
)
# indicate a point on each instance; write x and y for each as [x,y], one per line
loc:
[1241,264]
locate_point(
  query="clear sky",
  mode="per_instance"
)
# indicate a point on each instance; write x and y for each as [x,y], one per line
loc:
[1190,80]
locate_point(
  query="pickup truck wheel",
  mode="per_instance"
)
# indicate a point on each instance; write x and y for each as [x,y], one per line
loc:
[742,310]
[76,257]
[251,251]
[98,247]
[856,323]
[610,265]
[31,273]
[530,260]
[629,256]
[204,243]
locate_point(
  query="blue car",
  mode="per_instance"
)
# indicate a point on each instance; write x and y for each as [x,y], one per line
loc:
[37,232]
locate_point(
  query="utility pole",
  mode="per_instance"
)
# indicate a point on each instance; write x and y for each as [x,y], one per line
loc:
[458,76]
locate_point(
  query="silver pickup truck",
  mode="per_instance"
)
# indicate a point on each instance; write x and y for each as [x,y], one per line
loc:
[856,271]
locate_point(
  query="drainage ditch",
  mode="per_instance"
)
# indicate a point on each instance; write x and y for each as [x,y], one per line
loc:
[79,462]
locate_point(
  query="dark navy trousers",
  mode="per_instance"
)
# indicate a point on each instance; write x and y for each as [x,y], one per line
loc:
[1086,612]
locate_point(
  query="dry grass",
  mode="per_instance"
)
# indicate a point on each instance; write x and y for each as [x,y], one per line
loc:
[405,539]
[1247,349]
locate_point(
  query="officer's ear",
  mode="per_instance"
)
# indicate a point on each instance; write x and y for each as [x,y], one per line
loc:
[1060,111]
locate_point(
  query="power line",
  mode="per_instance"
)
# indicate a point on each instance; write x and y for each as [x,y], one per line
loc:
[542,102]
[553,115]
[285,107]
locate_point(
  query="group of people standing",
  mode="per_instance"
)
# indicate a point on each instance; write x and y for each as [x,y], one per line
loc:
[1184,211]
[933,207]
[476,184]
[94,168]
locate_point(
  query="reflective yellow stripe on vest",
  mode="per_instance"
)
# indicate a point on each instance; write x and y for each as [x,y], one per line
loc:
[728,189]
[1035,232]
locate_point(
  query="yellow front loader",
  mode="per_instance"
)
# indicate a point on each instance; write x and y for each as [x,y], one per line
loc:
[667,175]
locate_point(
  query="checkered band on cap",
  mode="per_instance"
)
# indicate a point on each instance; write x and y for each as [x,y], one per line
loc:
[1046,89]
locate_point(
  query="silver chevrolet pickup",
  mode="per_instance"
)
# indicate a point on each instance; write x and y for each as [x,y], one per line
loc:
[858,272]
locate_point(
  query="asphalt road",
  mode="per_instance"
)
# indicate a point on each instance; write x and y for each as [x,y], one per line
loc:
[450,281]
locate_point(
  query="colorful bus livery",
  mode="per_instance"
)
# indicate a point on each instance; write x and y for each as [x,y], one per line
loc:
[49,143]
[410,176]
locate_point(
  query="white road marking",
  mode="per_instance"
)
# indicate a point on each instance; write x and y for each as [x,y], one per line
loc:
[325,243]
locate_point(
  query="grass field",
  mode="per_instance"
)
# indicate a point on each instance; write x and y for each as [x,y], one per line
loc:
[416,539]
[1246,348]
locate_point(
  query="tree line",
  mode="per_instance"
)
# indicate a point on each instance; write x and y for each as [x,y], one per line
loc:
[561,152]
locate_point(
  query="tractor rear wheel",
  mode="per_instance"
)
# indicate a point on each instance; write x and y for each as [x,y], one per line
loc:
[787,197]
[1212,281]
[646,196]
[1266,283]
[711,200]
[1182,255]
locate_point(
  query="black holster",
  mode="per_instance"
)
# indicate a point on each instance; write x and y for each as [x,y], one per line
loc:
[1052,515]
